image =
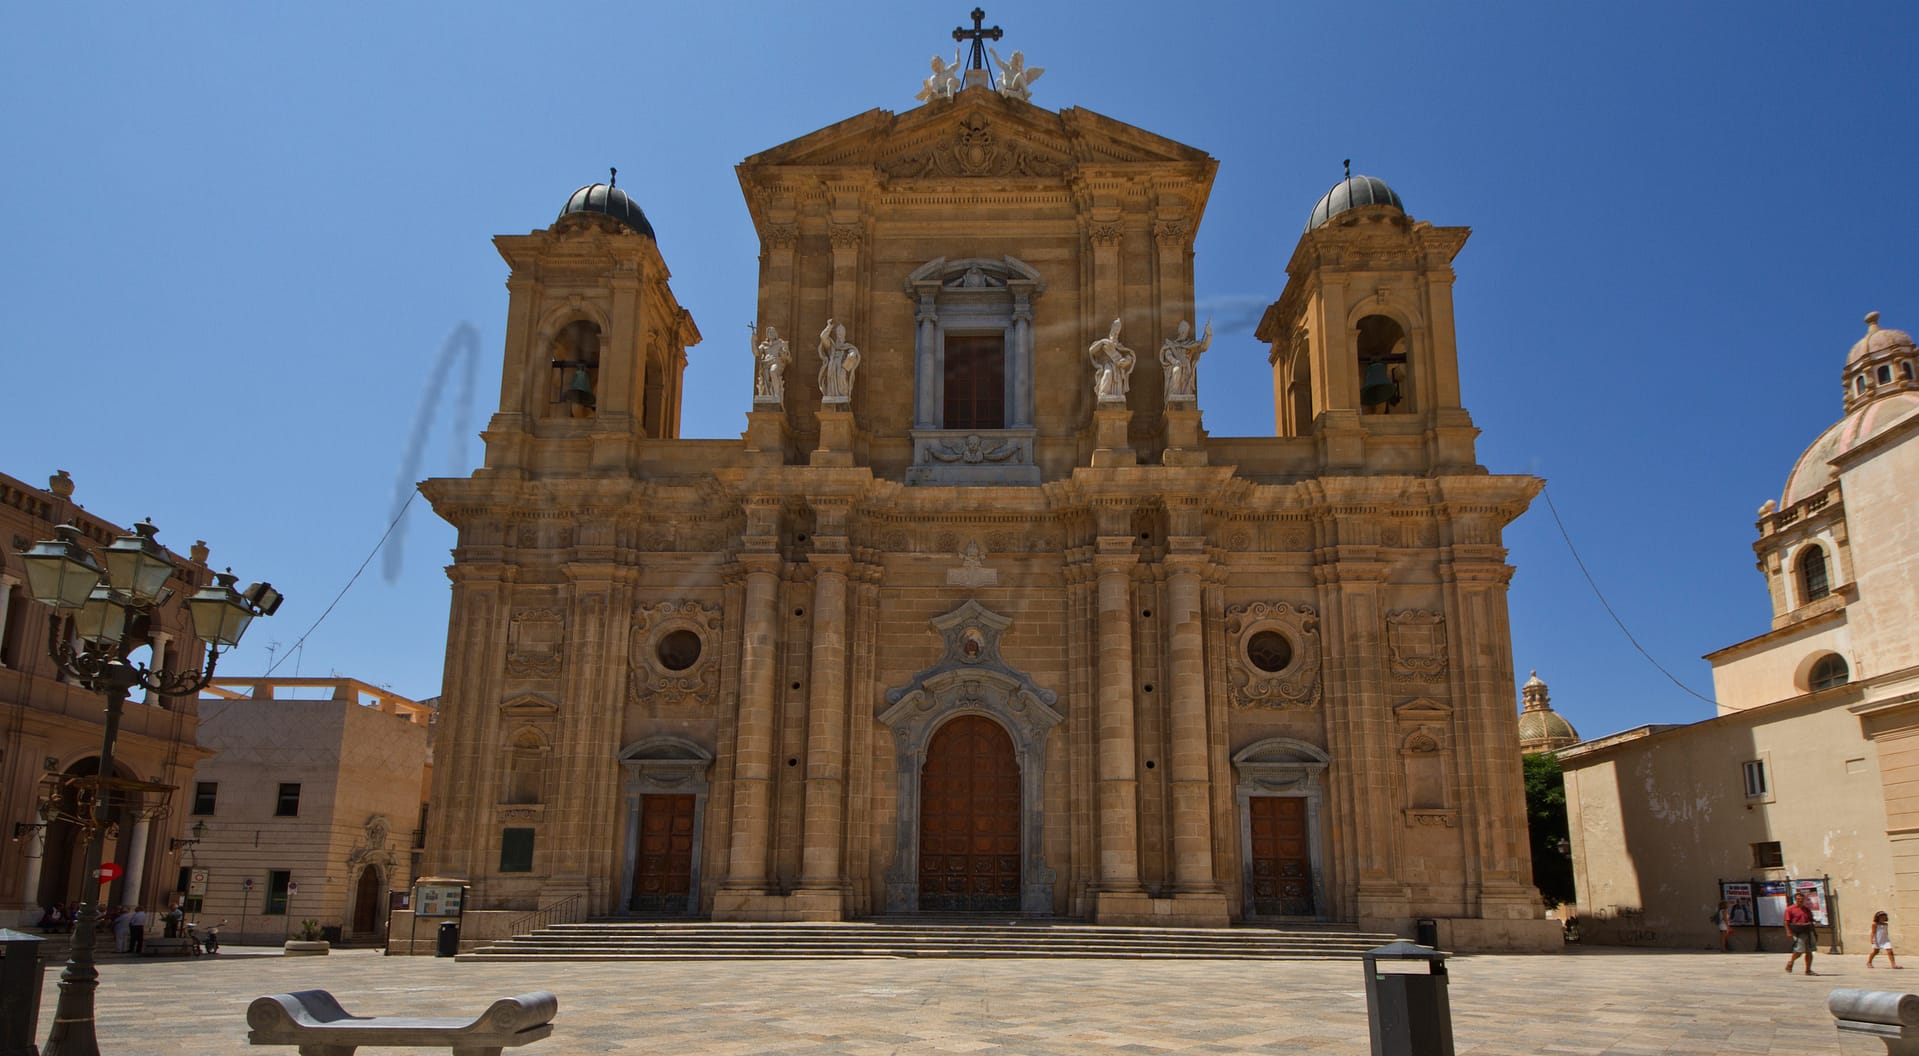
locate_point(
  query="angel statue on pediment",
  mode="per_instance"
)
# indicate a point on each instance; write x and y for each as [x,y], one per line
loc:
[1016,78]
[944,81]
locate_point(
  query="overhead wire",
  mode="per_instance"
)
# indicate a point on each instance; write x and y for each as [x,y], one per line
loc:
[394,523]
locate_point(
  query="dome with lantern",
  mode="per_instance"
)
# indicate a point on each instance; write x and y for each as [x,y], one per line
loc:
[1541,729]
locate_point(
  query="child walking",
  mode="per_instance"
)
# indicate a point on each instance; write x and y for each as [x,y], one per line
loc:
[1881,939]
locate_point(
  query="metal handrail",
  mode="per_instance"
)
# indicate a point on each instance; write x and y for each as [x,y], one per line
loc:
[565,911]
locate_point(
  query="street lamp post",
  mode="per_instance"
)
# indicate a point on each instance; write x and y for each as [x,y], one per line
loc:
[99,617]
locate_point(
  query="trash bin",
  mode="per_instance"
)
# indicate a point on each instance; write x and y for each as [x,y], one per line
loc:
[20,982]
[449,939]
[1407,1012]
[1427,930]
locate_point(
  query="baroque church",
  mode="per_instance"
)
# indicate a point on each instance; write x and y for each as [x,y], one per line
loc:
[975,616]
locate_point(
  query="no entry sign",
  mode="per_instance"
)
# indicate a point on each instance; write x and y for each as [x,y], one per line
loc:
[107,873]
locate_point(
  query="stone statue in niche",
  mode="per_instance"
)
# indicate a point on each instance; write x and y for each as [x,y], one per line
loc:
[1112,366]
[838,360]
[770,359]
[1016,78]
[1180,356]
[944,81]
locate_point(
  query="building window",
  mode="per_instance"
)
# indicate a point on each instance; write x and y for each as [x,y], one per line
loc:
[1756,786]
[1768,856]
[975,387]
[184,885]
[1813,582]
[1885,375]
[289,805]
[1905,371]
[516,851]
[1829,672]
[278,880]
[1269,651]
[204,795]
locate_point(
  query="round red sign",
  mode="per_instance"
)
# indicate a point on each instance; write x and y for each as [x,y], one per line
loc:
[108,872]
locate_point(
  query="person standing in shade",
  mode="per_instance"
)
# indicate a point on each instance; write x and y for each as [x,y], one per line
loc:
[122,928]
[137,930]
[1881,940]
[1722,919]
[1805,936]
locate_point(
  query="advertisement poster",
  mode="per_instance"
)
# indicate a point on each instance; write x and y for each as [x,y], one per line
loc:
[1769,897]
[437,900]
[1816,896]
[197,882]
[1738,899]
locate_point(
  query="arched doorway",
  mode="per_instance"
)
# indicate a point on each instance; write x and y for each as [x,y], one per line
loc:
[970,819]
[366,902]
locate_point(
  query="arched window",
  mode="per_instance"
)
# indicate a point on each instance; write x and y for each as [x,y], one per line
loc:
[1382,367]
[1859,383]
[1885,375]
[574,389]
[1302,389]
[1905,370]
[1813,583]
[1829,671]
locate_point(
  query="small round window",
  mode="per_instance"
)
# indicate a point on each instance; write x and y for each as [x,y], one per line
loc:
[1269,651]
[679,650]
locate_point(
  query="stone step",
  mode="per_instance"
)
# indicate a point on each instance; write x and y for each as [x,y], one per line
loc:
[620,939]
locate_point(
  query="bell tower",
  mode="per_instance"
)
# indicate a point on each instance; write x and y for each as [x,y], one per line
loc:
[1361,339]
[595,341]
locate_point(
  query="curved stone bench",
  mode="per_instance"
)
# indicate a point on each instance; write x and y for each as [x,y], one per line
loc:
[315,1022]
[1888,1015]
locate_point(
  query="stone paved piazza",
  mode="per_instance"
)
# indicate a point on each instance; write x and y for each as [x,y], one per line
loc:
[1589,1001]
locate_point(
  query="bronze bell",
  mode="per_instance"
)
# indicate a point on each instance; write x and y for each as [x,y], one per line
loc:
[579,391]
[1379,386]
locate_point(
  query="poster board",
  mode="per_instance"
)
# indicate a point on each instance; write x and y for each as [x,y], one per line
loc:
[1769,899]
[437,900]
[1817,899]
[1739,906]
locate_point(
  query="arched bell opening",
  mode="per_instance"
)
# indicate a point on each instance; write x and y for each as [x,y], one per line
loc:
[1384,371]
[574,385]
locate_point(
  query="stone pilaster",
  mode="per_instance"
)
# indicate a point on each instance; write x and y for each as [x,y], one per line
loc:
[822,872]
[1191,782]
[1110,444]
[753,752]
[1355,620]
[1118,780]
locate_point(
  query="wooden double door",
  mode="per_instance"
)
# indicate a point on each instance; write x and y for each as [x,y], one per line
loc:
[663,869]
[970,820]
[1281,857]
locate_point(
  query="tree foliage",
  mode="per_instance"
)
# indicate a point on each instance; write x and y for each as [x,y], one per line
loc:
[1546,824]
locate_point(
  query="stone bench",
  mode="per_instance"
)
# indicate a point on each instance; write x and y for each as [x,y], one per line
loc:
[1884,1014]
[315,1022]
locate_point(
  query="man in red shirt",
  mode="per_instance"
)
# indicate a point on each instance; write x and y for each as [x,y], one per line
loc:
[1800,927]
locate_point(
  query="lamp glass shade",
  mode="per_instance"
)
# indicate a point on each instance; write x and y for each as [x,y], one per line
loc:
[220,614]
[138,565]
[103,618]
[60,572]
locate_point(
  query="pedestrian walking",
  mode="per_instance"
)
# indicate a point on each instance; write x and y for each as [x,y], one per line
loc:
[1881,940]
[1805,936]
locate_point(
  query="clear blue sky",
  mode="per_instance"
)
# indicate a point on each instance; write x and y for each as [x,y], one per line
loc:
[237,236]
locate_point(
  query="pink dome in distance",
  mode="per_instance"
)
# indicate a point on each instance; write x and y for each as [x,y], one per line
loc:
[1813,472]
[1877,340]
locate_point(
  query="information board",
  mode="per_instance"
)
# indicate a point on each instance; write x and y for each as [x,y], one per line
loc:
[1816,898]
[1769,897]
[1738,899]
[437,900]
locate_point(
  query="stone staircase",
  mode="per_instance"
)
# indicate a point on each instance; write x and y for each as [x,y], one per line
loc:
[976,936]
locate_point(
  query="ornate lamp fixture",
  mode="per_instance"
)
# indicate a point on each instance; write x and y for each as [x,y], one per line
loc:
[107,613]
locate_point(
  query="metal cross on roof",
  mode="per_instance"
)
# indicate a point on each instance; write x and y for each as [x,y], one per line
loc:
[979,36]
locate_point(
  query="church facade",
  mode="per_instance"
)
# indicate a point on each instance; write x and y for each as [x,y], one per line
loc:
[976,616]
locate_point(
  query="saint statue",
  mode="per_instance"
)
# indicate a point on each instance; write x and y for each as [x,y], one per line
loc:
[838,361]
[1180,356]
[944,81]
[1016,78]
[1112,367]
[770,358]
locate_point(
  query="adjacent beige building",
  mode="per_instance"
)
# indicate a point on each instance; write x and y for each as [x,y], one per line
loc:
[50,741]
[976,616]
[308,806]
[1811,767]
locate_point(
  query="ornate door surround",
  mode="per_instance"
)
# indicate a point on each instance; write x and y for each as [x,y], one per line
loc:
[970,679]
[655,766]
[1281,766]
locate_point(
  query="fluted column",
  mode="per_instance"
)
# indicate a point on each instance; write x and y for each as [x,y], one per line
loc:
[926,347]
[159,661]
[7,583]
[1118,781]
[753,750]
[1192,818]
[826,725]
[136,859]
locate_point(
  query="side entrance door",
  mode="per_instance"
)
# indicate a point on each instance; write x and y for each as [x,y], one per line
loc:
[663,874]
[1282,864]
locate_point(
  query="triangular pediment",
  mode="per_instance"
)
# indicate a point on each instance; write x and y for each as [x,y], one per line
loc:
[976,133]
